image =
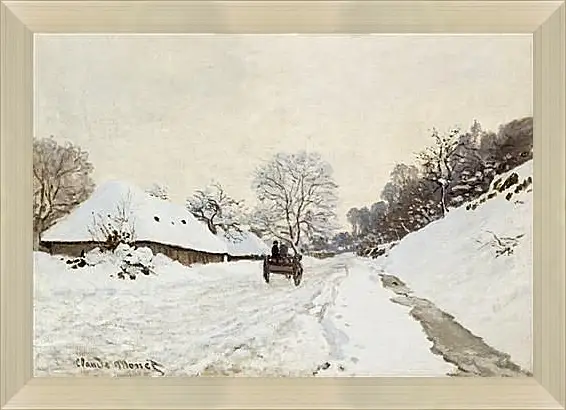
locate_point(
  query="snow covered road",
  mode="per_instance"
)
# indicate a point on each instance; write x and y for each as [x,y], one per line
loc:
[222,319]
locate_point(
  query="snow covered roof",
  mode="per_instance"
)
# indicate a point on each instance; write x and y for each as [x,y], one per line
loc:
[154,220]
[244,244]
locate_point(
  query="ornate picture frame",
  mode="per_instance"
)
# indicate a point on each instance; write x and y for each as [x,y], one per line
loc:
[20,20]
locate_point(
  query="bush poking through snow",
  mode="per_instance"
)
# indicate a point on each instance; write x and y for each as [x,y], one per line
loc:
[509,182]
[90,259]
[375,251]
[114,228]
[134,261]
[503,245]
[130,261]
[509,186]
[76,263]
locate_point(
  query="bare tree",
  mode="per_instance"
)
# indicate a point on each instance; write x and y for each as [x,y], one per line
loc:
[437,162]
[297,197]
[158,191]
[114,228]
[503,245]
[61,181]
[353,218]
[378,211]
[401,176]
[217,209]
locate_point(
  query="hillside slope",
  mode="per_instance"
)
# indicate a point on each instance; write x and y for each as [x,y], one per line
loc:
[476,264]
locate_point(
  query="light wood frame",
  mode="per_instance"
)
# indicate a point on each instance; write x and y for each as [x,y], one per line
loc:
[19,20]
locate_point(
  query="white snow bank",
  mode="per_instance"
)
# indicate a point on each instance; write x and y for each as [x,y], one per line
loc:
[152,219]
[140,255]
[244,243]
[452,263]
[123,253]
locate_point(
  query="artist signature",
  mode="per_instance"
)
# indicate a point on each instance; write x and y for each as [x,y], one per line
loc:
[98,363]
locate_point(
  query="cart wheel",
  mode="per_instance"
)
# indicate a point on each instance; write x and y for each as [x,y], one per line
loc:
[298,277]
[265,272]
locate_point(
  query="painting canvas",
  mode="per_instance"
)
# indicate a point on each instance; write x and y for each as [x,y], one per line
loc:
[283,205]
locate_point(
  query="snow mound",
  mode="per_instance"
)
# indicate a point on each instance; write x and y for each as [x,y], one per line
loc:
[477,265]
[141,256]
[152,219]
[244,244]
[95,257]
[123,261]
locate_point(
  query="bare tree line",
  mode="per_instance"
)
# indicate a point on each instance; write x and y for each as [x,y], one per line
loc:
[296,201]
[297,195]
[296,198]
[456,168]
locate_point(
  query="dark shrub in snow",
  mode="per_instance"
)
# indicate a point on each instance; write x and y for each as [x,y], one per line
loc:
[129,261]
[133,262]
[510,181]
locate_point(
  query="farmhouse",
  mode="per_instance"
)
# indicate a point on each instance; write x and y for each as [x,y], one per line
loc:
[244,245]
[148,221]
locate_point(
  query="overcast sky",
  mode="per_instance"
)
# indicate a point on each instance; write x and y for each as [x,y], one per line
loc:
[184,110]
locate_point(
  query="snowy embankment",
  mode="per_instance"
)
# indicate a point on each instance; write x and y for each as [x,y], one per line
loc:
[222,319]
[476,264]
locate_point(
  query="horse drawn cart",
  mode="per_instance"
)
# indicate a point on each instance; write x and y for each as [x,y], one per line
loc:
[289,266]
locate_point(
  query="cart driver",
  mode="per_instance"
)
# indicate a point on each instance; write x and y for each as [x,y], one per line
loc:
[275,251]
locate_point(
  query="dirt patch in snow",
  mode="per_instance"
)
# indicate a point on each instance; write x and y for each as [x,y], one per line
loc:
[456,344]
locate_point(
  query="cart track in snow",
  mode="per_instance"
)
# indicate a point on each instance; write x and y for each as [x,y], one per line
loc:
[320,289]
[334,336]
[214,321]
[218,320]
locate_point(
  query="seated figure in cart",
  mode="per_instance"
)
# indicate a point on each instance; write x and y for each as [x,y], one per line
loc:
[279,262]
[275,251]
[283,251]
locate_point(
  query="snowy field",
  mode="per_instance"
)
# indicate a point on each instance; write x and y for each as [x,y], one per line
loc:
[223,319]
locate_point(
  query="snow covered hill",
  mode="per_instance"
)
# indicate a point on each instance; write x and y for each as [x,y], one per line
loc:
[476,264]
[244,243]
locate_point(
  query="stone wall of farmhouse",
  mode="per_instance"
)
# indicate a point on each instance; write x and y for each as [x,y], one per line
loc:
[184,256]
[245,257]
[73,249]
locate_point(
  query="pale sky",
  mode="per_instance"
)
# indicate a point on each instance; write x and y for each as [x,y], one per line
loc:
[184,110]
